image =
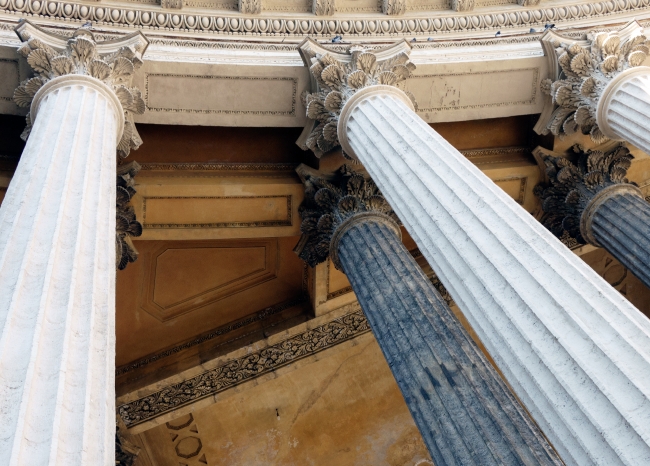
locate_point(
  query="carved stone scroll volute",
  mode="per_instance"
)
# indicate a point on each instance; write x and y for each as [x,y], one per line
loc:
[51,56]
[332,201]
[573,182]
[336,77]
[580,72]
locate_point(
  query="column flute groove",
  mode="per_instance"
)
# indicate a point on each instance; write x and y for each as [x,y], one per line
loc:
[57,251]
[464,411]
[493,279]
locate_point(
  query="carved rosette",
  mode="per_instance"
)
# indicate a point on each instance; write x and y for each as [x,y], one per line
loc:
[79,55]
[338,77]
[583,69]
[573,181]
[331,201]
[126,225]
[462,5]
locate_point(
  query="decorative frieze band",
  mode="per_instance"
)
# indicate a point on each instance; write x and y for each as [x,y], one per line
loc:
[140,17]
[243,369]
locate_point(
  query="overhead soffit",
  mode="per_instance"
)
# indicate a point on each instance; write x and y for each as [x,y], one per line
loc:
[189,275]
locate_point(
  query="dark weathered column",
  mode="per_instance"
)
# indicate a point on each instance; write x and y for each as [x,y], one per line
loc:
[464,411]
[589,197]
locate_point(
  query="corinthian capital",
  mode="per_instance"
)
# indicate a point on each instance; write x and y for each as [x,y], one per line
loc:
[334,202]
[337,77]
[581,70]
[112,62]
[573,181]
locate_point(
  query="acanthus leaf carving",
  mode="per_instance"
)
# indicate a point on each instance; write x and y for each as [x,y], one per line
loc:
[126,225]
[584,69]
[330,200]
[338,80]
[529,2]
[80,55]
[573,181]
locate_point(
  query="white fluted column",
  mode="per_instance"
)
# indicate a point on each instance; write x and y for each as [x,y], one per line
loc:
[57,250]
[57,281]
[623,111]
[574,350]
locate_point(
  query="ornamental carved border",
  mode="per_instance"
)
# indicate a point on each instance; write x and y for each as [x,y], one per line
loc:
[150,17]
[243,369]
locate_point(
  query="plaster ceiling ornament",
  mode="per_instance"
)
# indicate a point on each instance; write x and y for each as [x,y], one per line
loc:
[51,56]
[137,15]
[323,7]
[573,181]
[580,72]
[126,225]
[337,77]
[332,201]
[462,5]
[529,2]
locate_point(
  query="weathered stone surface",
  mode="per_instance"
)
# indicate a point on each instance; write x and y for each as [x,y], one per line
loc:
[465,412]
[532,302]
[57,260]
[463,409]
[620,225]
[588,198]
[340,407]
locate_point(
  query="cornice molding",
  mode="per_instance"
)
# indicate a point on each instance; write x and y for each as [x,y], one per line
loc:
[301,24]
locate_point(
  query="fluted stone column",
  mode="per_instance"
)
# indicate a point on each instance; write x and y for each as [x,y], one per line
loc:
[587,196]
[598,86]
[575,352]
[57,252]
[463,409]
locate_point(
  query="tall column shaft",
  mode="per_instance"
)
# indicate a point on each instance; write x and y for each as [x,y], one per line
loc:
[624,108]
[464,411]
[621,224]
[57,282]
[574,350]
